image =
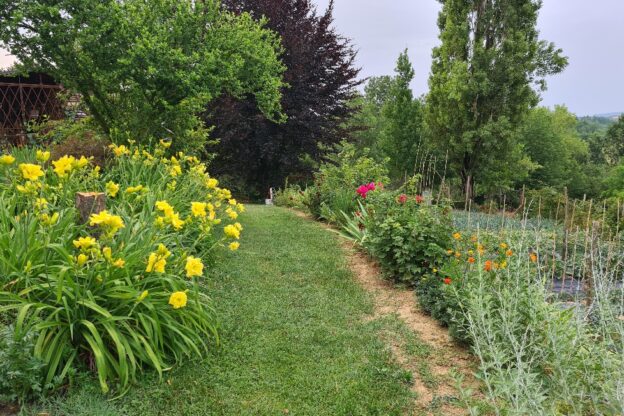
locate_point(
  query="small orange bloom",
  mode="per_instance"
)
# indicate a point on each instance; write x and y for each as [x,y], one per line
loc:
[457,254]
[509,253]
[471,260]
[447,280]
[488,265]
[533,257]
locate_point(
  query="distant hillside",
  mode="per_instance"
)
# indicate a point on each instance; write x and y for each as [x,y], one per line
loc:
[610,116]
[590,125]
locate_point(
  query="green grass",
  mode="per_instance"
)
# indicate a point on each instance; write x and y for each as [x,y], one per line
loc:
[294,338]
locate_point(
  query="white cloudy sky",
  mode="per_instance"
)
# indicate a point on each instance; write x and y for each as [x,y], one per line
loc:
[590,33]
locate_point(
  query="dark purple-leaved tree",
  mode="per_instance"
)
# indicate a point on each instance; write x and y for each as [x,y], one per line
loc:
[322,80]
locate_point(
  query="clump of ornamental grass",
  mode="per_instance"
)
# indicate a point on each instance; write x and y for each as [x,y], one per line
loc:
[121,292]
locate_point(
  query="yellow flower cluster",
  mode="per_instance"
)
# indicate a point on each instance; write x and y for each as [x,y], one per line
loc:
[169,216]
[108,222]
[158,260]
[64,166]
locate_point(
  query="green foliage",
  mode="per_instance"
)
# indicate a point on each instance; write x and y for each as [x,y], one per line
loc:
[292,196]
[147,67]
[551,140]
[288,308]
[368,123]
[108,302]
[336,181]
[401,136]
[482,85]
[407,238]
[21,373]
[537,356]
[613,148]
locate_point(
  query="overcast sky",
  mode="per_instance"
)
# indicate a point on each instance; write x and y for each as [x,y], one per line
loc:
[590,33]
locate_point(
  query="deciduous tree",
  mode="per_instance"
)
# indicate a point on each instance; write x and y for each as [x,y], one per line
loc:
[143,67]
[321,80]
[485,76]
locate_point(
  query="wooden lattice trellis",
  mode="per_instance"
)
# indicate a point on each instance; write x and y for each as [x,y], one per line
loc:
[25,99]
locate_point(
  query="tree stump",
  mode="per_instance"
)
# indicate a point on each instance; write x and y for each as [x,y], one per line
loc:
[89,203]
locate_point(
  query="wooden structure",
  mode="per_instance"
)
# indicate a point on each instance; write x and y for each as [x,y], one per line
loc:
[26,99]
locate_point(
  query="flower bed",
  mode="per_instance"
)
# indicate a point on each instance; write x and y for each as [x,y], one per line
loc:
[120,292]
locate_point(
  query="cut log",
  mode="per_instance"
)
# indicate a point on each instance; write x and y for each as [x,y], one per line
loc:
[89,203]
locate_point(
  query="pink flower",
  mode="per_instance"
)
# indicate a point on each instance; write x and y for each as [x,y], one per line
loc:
[419,199]
[362,190]
[371,186]
[402,199]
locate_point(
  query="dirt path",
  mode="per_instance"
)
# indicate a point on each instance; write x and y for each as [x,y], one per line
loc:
[437,397]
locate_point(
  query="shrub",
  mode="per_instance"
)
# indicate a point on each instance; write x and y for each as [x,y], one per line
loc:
[21,373]
[121,292]
[336,182]
[407,237]
[537,356]
[292,196]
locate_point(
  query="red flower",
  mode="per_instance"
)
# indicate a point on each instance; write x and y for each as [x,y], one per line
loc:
[402,199]
[419,199]
[447,280]
[471,260]
[358,214]
[488,265]
[362,190]
[371,186]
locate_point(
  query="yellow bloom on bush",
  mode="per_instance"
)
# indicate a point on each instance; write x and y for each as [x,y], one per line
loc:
[164,207]
[85,243]
[81,259]
[7,160]
[456,236]
[43,156]
[231,213]
[110,223]
[194,267]
[41,204]
[198,209]
[79,163]
[30,171]
[107,252]
[212,183]
[178,300]
[119,263]
[240,207]
[163,251]
[176,222]
[234,245]
[142,296]
[63,166]
[175,170]
[119,150]
[165,144]
[135,189]
[231,231]
[49,220]
[232,202]
[112,189]
[503,245]
[155,263]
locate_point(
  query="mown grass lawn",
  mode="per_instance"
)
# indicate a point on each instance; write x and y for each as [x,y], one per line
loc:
[295,338]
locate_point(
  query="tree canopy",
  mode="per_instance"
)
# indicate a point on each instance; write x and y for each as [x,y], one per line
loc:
[485,76]
[321,80]
[147,67]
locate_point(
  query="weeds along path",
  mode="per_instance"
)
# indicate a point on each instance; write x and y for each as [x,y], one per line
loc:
[418,343]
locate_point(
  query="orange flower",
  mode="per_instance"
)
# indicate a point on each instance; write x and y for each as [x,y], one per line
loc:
[471,260]
[488,265]
[533,257]
[457,236]
[447,280]
[509,253]
[457,254]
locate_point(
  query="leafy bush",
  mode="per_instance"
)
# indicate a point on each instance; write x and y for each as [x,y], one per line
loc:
[338,178]
[121,292]
[21,373]
[537,356]
[292,196]
[408,237]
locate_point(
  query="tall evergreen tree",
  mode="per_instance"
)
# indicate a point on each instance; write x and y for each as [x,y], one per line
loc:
[401,136]
[485,76]
[322,81]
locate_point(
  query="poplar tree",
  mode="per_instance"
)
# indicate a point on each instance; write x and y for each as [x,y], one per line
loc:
[486,75]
